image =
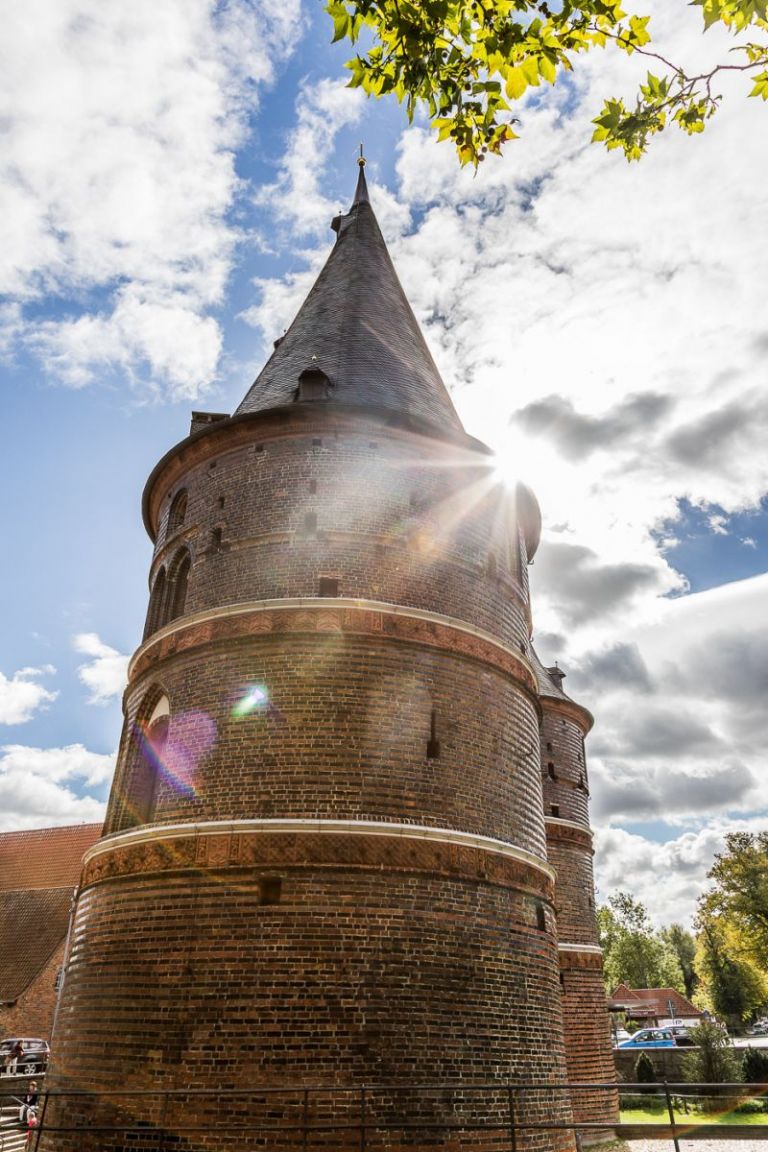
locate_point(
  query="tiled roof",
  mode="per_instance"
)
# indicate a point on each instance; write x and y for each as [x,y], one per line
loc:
[39,871]
[44,857]
[654,1001]
[547,685]
[357,328]
[34,924]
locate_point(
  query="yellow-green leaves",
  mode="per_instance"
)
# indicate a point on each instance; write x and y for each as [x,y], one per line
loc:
[470,61]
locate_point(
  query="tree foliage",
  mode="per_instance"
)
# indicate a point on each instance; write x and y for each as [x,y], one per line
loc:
[732,922]
[633,954]
[469,61]
[712,1060]
[683,944]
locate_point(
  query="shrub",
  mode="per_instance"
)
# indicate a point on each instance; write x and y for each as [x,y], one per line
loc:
[755,1066]
[645,1073]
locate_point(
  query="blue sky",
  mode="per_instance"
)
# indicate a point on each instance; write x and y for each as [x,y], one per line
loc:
[166,188]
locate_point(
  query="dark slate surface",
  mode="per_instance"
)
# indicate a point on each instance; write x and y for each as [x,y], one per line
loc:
[361,331]
[33,925]
[547,686]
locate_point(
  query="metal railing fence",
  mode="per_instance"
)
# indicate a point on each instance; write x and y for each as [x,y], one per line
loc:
[369,1117]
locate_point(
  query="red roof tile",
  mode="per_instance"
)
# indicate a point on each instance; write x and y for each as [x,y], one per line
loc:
[44,857]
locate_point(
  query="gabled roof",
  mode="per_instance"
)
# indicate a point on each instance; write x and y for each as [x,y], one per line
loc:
[653,1001]
[356,330]
[39,871]
[44,857]
[33,925]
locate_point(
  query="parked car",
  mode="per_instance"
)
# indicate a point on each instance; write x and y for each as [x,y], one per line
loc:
[650,1038]
[619,1035]
[682,1036]
[33,1059]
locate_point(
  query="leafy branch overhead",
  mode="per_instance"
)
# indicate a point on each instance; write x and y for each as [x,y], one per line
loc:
[469,61]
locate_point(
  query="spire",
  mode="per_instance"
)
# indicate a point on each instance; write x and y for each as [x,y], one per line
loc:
[361,192]
[355,339]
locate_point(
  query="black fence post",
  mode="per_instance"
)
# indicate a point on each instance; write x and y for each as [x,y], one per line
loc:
[670,1110]
[40,1126]
[362,1120]
[512,1119]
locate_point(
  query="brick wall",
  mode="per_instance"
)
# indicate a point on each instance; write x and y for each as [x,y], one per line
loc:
[32,1014]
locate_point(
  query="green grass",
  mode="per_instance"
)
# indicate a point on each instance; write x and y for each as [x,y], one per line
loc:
[660,1116]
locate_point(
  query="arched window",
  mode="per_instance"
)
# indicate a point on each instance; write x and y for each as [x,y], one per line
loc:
[178,511]
[178,578]
[156,604]
[145,760]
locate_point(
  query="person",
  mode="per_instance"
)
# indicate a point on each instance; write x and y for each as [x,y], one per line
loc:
[29,1102]
[15,1055]
[31,1125]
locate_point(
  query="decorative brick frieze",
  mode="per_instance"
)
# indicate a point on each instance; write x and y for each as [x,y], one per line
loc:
[283,844]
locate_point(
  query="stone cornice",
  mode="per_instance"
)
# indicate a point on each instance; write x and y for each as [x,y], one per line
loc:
[568,832]
[587,957]
[289,843]
[323,615]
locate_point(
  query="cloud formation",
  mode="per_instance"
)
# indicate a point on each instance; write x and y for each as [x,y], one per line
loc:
[40,787]
[22,695]
[117,176]
[106,673]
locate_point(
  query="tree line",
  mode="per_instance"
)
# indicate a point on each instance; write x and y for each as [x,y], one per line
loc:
[722,965]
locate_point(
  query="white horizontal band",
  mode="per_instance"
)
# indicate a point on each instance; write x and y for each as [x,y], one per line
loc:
[322,603]
[155,832]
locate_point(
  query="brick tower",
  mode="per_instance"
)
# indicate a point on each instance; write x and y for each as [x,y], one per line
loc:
[325,857]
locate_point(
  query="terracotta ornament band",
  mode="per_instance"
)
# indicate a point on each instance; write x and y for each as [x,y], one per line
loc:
[567,832]
[287,844]
[344,616]
[582,956]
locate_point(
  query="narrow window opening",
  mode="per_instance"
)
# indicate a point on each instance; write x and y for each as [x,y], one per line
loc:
[582,783]
[259,448]
[57,979]
[270,889]
[313,486]
[212,464]
[433,744]
[217,539]
[562,979]
[317,443]
[551,771]
[177,592]
[549,745]
[221,501]
[156,604]
[310,521]
[554,810]
[313,385]
[541,918]
[177,512]
[329,586]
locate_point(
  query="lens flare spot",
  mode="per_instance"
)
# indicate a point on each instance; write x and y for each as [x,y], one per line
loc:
[256,699]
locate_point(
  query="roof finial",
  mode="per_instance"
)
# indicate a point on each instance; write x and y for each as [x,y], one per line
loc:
[361,192]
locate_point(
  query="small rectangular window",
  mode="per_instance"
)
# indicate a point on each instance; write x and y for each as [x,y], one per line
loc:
[270,889]
[317,443]
[554,810]
[329,586]
[259,448]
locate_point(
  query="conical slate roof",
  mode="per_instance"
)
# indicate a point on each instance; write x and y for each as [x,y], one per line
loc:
[355,339]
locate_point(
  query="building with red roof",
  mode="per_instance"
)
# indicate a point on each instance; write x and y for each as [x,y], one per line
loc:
[39,874]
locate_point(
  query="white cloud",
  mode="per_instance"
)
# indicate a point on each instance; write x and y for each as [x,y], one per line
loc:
[322,110]
[117,175]
[106,673]
[40,787]
[22,696]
